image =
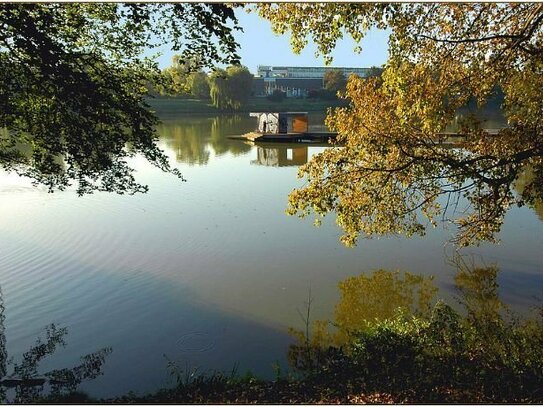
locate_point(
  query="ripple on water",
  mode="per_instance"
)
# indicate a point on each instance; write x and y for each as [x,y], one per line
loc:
[196,342]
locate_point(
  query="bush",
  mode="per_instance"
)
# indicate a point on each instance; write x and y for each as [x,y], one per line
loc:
[424,354]
[277,96]
[323,94]
[439,358]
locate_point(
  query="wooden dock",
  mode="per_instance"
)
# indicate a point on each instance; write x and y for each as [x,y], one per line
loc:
[315,137]
[307,137]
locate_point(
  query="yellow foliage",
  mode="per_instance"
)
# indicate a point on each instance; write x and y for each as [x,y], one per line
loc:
[392,175]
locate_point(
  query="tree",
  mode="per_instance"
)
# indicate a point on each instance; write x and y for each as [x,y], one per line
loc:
[218,89]
[374,71]
[334,81]
[25,379]
[199,85]
[183,78]
[277,96]
[230,88]
[176,77]
[393,175]
[73,82]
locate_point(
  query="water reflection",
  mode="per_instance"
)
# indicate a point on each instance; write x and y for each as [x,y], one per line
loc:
[192,139]
[478,293]
[26,383]
[190,255]
[222,126]
[439,354]
[187,140]
[280,156]
[381,295]
[363,299]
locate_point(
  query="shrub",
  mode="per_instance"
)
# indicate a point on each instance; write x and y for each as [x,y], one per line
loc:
[277,96]
[434,356]
[324,94]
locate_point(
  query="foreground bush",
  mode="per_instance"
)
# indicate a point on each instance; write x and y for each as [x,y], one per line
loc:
[437,356]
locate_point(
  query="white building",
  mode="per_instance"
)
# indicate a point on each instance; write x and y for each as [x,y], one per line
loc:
[296,81]
[305,72]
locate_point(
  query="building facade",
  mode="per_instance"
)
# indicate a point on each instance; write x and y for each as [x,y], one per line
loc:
[296,81]
[306,72]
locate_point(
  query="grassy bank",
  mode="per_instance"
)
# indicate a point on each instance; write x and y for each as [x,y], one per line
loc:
[167,107]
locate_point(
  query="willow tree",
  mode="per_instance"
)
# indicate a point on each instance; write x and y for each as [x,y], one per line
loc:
[73,81]
[393,175]
[199,85]
[230,88]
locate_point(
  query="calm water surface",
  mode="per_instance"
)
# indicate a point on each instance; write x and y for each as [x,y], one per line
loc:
[208,272]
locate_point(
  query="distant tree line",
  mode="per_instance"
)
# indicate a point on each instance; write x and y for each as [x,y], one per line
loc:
[227,89]
[230,88]
[335,83]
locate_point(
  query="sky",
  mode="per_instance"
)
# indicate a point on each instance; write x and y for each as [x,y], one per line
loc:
[260,46]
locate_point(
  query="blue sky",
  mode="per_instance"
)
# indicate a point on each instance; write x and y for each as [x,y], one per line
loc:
[260,46]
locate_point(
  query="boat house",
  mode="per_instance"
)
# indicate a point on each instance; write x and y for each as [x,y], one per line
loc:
[281,122]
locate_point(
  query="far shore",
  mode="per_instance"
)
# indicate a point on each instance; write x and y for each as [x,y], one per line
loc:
[175,106]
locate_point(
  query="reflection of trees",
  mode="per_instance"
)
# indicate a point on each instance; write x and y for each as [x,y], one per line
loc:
[369,299]
[187,140]
[280,156]
[363,299]
[25,379]
[190,138]
[223,126]
[378,296]
[478,289]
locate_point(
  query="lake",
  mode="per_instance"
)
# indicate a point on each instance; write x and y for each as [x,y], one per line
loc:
[210,272]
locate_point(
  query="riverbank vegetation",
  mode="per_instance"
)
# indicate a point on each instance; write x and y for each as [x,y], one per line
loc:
[167,107]
[391,336]
[391,340]
[232,89]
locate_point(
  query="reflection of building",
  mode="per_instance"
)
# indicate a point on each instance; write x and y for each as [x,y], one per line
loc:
[296,80]
[280,156]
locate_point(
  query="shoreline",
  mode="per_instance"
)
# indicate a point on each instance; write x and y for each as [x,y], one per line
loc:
[174,106]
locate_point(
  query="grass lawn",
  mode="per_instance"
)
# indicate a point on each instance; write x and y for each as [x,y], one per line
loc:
[178,106]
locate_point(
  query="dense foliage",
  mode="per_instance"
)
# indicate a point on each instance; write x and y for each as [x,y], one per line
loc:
[73,79]
[199,85]
[422,353]
[183,78]
[230,88]
[277,96]
[334,81]
[393,174]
